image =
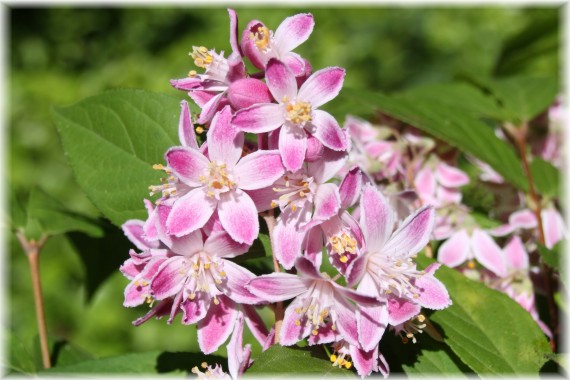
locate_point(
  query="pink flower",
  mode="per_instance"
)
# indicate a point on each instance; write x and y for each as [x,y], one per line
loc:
[319,304]
[372,150]
[552,223]
[238,355]
[365,362]
[296,112]
[477,244]
[438,184]
[209,90]
[303,197]
[386,269]
[218,182]
[341,233]
[516,283]
[194,276]
[260,44]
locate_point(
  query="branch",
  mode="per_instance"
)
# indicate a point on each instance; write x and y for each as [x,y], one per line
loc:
[32,250]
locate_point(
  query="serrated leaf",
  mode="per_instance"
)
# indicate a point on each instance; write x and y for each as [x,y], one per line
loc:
[279,360]
[489,331]
[453,126]
[54,218]
[546,177]
[112,140]
[153,362]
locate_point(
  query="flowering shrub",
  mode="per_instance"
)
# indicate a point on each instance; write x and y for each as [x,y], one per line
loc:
[360,224]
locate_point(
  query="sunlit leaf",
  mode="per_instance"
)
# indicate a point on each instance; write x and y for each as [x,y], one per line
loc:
[489,331]
[112,140]
[279,360]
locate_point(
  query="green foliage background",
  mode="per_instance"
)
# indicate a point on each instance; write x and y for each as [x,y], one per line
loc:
[61,55]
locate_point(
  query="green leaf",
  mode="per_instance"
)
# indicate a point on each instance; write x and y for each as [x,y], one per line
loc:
[459,96]
[436,358]
[484,221]
[21,358]
[489,331]
[552,256]
[279,360]
[546,177]
[18,216]
[54,218]
[65,353]
[112,140]
[450,125]
[523,97]
[426,357]
[152,362]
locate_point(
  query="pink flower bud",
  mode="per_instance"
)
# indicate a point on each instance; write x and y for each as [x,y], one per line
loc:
[247,92]
[314,149]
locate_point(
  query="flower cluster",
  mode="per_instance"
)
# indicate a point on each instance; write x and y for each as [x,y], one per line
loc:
[365,198]
[405,160]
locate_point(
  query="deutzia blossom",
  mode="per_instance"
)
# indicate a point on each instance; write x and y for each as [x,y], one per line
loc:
[319,304]
[217,182]
[468,244]
[296,112]
[260,44]
[386,269]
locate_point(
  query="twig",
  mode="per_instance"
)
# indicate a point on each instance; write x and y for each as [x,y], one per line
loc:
[32,250]
[519,137]
[269,218]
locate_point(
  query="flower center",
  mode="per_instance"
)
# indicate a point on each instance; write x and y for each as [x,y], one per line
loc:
[341,244]
[217,179]
[316,305]
[201,56]
[261,38]
[295,191]
[299,112]
[395,275]
[204,274]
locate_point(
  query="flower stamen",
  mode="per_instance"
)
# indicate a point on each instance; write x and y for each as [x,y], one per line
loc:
[201,56]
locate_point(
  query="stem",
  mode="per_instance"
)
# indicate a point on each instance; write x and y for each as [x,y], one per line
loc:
[32,250]
[520,141]
[269,218]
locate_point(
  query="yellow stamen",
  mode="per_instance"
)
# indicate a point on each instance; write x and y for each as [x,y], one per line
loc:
[299,112]
[201,56]
[261,37]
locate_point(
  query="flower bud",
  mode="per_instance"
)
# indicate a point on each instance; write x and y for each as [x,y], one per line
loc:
[247,92]
[314,149]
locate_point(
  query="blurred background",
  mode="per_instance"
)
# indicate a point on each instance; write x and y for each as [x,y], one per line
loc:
[60,55]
